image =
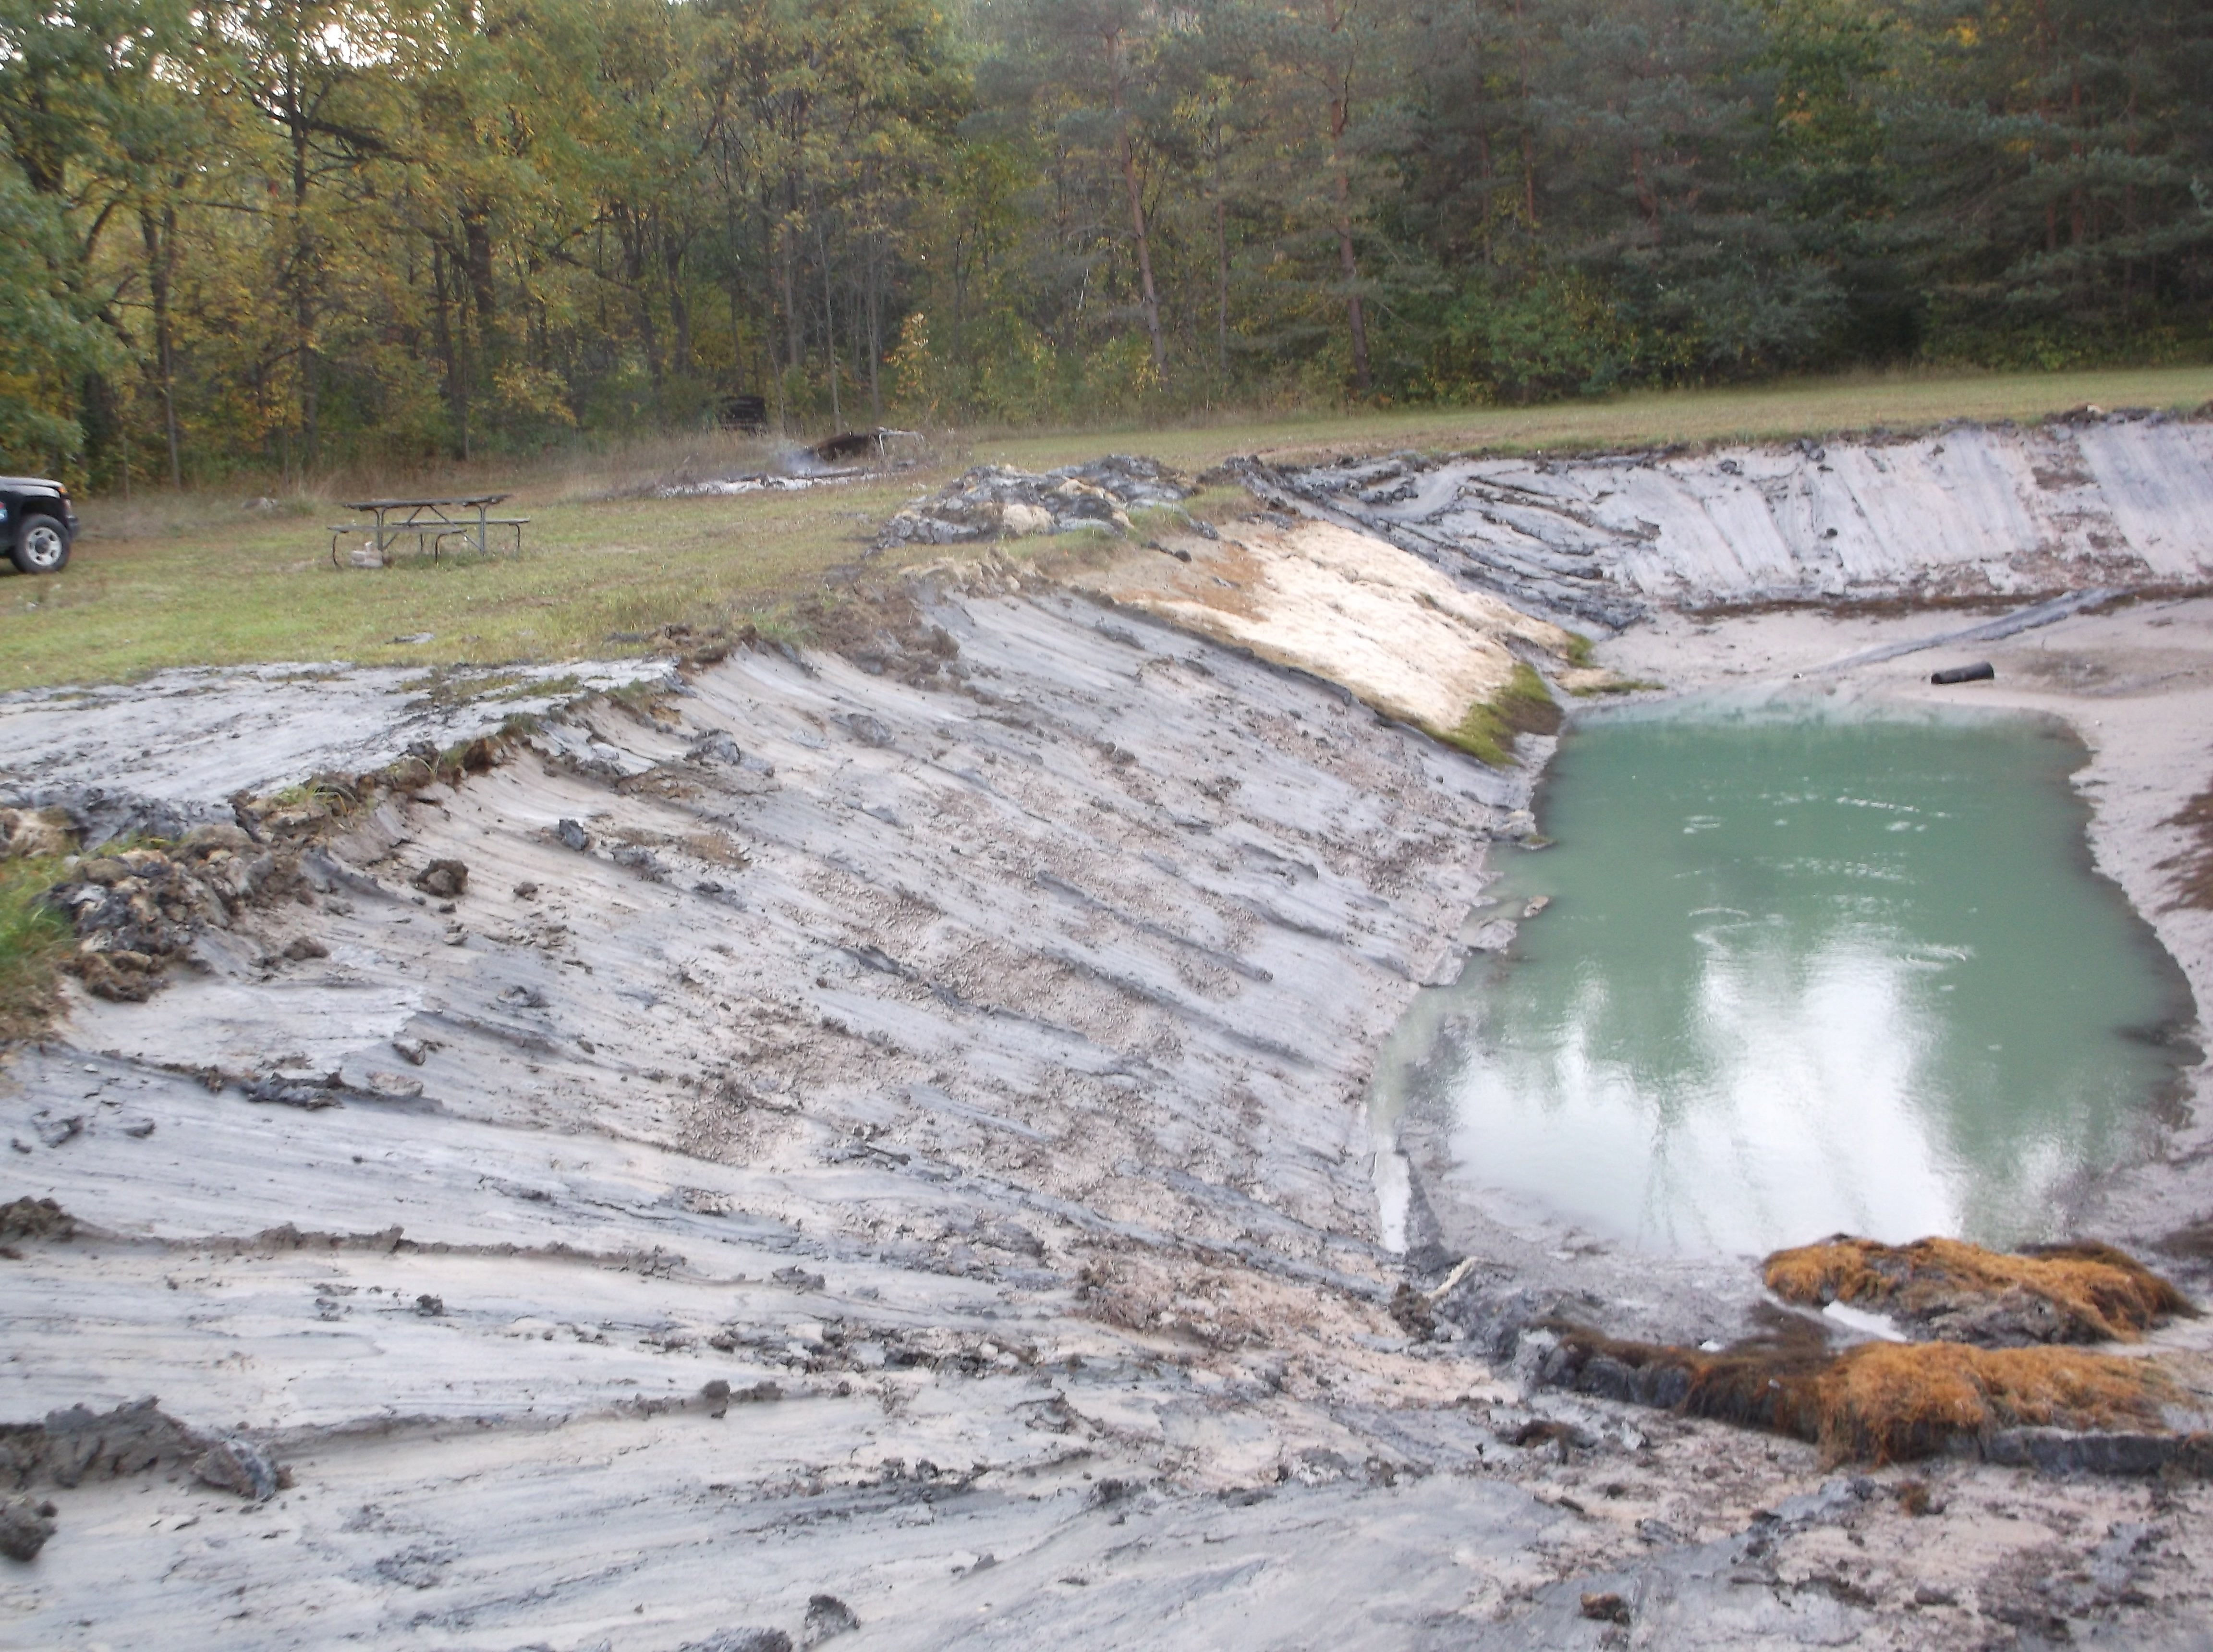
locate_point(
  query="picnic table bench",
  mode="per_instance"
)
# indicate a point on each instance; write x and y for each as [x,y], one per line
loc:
[431,522]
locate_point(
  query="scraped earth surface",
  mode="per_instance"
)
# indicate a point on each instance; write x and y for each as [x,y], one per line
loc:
[882,1126]
[1969,510]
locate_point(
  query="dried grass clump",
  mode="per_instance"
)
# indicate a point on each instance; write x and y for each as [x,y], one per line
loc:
[2078,1292]
[1890,1402]
[1880,1402]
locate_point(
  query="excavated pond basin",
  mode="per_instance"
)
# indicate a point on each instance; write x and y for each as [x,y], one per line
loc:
[1800,971]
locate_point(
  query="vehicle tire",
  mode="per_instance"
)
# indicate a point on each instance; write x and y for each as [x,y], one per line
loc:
[42,546]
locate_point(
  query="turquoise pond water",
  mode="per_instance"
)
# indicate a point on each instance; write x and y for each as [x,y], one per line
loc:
[1801,972]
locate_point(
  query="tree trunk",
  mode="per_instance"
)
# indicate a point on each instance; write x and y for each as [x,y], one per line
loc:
[829,324]
[457,385]
[1221,268]
[680,306]
[875,326]
[1340,117]
[1149,298]
[161,239]
[303,255]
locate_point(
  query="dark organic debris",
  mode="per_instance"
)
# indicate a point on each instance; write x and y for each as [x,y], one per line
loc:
[1606,1608]
[2194,1242]
[869,730]
[137,909]
[239,1465]
[877,444]
[740,1640]
[827,1616]
[75,1444]
[25,1526]
[446,879]
[719,746]
[308,1091]
[995,500]
[1548,1431]
[1411,1311]
[420,1566]
[40,1218]
[1957,1292]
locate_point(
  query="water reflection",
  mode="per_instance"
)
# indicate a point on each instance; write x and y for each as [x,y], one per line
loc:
[1801,974]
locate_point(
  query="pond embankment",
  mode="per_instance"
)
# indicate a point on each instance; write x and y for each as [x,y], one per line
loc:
[875,1146]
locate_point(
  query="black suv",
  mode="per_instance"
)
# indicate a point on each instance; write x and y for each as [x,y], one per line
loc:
[36,523]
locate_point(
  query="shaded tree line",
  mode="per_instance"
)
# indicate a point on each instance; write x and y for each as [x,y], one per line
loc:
[284,234]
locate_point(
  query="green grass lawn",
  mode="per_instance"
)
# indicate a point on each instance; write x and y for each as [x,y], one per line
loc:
[262,587]
[1811,407]
[201,581]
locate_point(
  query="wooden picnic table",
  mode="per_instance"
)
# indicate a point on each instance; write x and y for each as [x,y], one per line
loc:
[432,522]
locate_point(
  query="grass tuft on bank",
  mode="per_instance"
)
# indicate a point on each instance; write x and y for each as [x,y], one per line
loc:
[35,940]
[1524,706]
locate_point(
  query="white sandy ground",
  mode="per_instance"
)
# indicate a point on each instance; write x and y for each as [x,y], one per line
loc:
[1342,604]
[991,1079]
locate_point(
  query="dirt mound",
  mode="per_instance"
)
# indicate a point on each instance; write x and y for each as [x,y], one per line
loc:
[135,909]
[998,501]
[35,1218]
[75,1444]
[136,905]
[1951,1291]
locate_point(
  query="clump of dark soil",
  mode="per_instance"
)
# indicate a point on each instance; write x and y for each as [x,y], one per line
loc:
[75,1444]
[24,1528]
[136,905]
[444,879]
[35,1218]
[1952,1291]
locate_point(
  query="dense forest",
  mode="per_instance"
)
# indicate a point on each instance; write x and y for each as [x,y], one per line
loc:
[289,234]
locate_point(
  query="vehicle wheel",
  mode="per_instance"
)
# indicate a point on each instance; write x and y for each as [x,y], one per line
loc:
[41,546]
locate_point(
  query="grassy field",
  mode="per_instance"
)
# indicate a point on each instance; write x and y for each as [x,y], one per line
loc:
[1813,407]
[203,581]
